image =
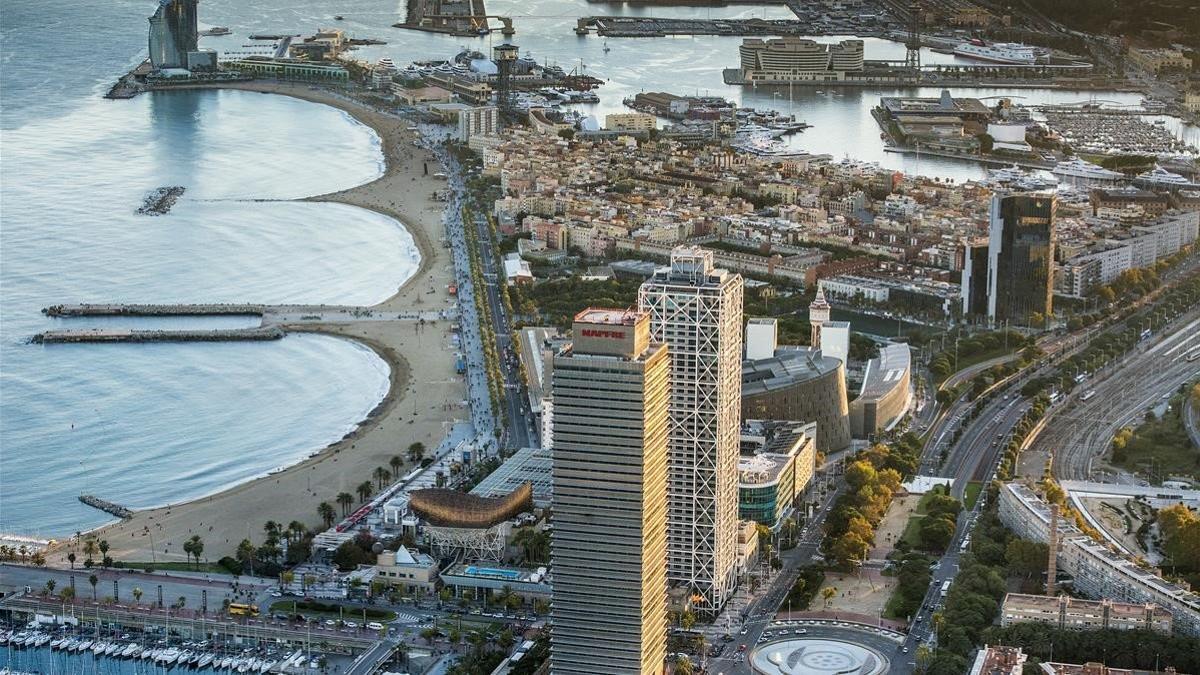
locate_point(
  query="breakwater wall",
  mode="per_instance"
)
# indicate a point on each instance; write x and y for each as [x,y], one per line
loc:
[125,335]
[122,309]
[106,506]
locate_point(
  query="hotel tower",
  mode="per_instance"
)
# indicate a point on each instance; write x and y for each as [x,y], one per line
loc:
[696,310]
[608,547]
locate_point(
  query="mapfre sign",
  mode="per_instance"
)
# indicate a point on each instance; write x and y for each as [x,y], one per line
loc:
[603,333]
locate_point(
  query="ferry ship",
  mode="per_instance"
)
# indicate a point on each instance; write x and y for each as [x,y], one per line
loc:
[216,30]
[1083,172]
[998,52]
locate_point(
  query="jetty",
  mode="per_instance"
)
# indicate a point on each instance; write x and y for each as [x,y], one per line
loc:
[106,506]
[261,333]
[124,309]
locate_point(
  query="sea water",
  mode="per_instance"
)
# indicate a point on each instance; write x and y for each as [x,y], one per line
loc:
[145,425]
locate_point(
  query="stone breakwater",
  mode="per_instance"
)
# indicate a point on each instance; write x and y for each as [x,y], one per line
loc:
[106,506]
[232,309]
[160,201]
[124,335]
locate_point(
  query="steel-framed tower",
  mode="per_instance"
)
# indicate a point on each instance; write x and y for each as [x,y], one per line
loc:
[912,43]
[696,310]
[505,56]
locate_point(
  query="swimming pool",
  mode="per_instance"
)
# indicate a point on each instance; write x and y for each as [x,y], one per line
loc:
[511,575]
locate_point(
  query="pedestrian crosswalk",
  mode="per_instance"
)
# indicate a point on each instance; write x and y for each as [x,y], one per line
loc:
[405,617]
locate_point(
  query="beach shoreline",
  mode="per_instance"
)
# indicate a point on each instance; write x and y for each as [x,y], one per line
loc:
[222,519]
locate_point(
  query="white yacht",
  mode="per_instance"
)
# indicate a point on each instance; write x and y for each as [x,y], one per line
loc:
[1161,178]
[998,52]
[1083,172]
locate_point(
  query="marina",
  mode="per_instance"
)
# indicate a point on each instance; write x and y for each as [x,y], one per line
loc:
[1101,131]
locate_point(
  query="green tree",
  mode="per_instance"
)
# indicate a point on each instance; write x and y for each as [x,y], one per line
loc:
[137,595]
[1026,557]
[936,533]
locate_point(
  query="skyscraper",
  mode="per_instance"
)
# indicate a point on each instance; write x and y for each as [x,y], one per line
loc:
[1020,256]
[173,33]
[696,310]
[974,279]
[608,549]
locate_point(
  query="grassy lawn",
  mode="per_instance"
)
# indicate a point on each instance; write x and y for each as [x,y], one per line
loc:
[912,531]
[207,568]
[971,494]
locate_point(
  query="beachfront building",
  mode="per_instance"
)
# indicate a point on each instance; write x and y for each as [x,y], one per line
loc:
[409,571]
[290,69]
[173,33]
[1021,241]
[799,59]
[481,120]
[696,310]
[608,548]
[629,122]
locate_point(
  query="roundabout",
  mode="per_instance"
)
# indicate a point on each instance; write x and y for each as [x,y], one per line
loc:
[816,656]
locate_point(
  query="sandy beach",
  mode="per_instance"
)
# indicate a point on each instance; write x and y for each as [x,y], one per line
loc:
[421,359]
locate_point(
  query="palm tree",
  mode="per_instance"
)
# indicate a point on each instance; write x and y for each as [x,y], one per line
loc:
[137,595]
[381,474]
[71,559]
[104,551]
[683,666]
[197,547]
[89,548]
[271,528]
[345,499]
[416,452]
[67,594]
[93,580]
[296,529]
[395,462]
[50,584]
[364,490]
[326,512]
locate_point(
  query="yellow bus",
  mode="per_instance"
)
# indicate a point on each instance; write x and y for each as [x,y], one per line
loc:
[238,609]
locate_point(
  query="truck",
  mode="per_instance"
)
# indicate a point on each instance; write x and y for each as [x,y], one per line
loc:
[460,365]
[1088,395]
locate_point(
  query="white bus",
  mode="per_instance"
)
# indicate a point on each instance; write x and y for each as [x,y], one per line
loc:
[945,587]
